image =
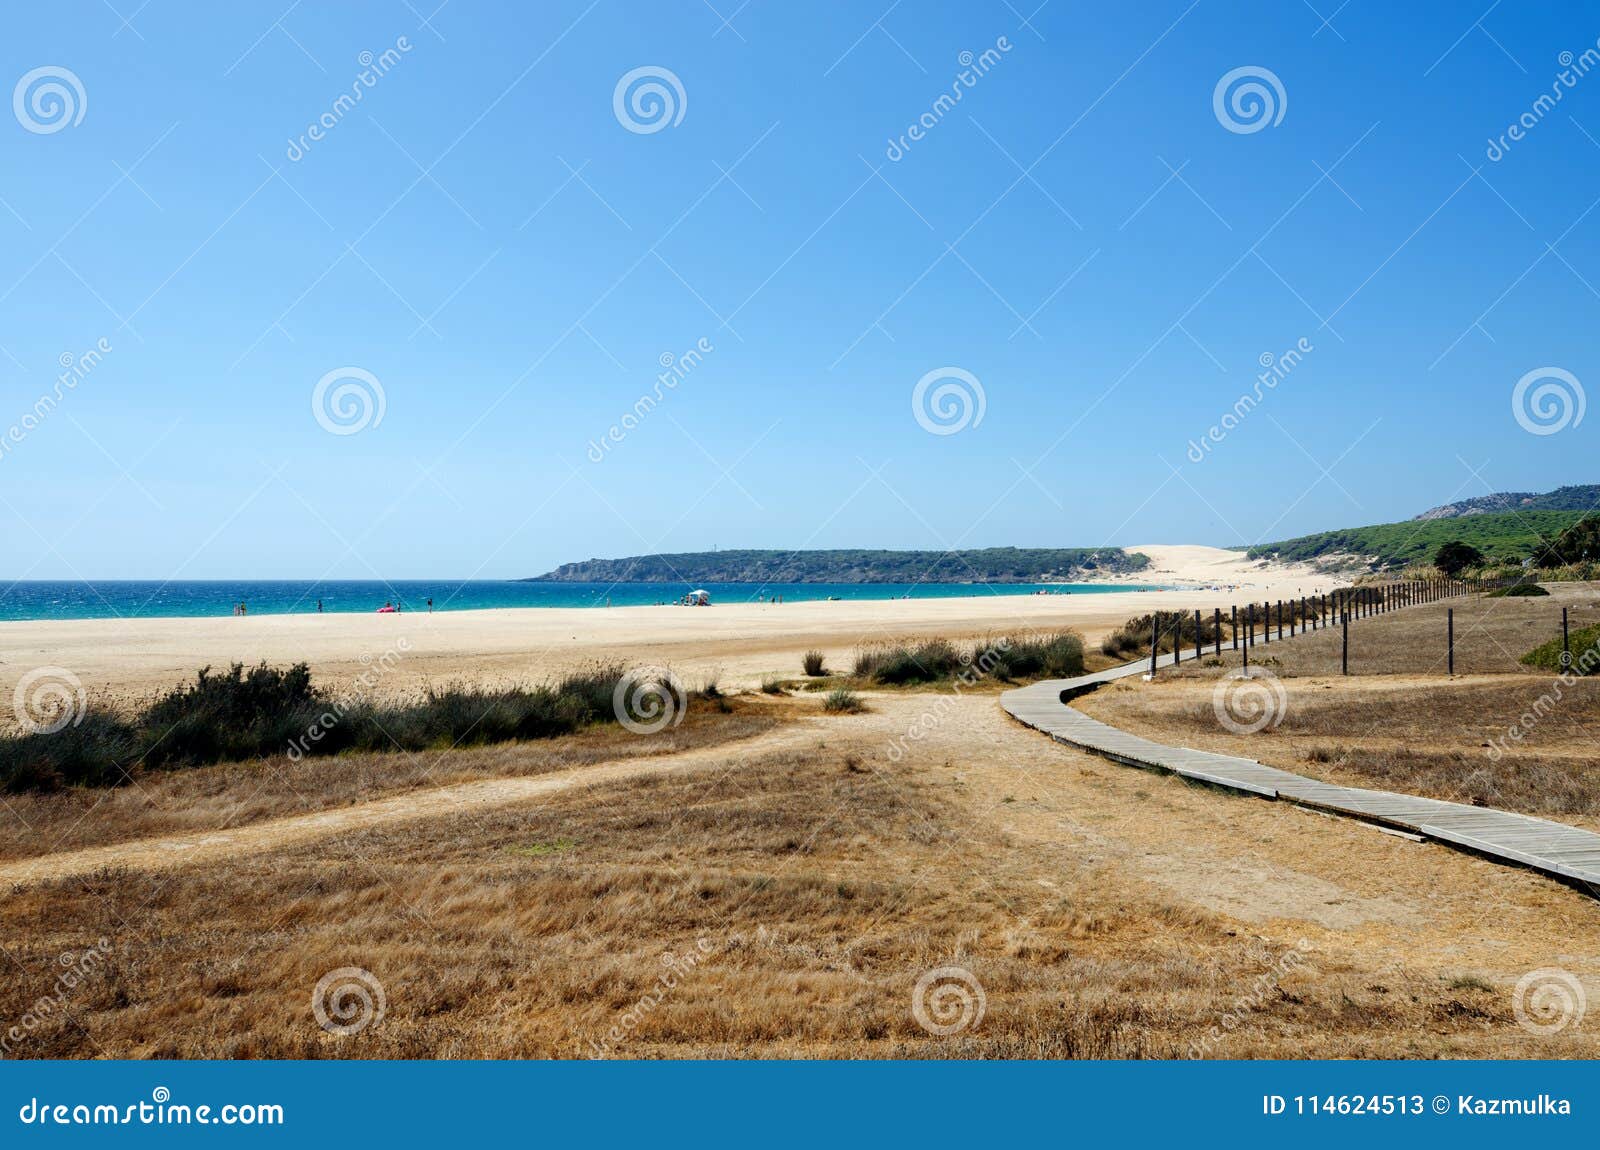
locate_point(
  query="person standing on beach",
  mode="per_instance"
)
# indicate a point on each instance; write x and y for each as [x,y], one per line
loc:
[319,606]
[430,604]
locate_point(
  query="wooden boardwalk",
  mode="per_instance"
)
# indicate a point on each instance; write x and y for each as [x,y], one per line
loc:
[1554,848]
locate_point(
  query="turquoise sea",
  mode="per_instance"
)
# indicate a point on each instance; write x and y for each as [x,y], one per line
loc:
[146,599]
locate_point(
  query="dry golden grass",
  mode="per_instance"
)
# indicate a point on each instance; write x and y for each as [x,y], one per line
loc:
[1423,737]
[785,900]
[1491,635]
[801,893]
[1397,722]
[185,801]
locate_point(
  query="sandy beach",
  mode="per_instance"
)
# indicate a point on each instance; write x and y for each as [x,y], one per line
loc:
[125,660]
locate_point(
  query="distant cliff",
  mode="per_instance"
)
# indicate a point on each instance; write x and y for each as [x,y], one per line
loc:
[1585,497]
[989,565]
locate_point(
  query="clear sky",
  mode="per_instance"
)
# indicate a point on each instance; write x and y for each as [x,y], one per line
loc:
[505,246]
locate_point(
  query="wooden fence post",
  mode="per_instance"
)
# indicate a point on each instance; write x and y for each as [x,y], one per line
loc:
[1197,651]
[1233,611]
[1216,626]
[1566,649]
[1450,637]
[1266,622]
[1344,643]
[1155,631]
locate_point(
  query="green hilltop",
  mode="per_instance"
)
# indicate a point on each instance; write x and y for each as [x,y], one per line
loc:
[1507,535]
[986,565]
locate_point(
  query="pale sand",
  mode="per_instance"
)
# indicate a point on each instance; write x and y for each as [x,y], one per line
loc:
[127,660]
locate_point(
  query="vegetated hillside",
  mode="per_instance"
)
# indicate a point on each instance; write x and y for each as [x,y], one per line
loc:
[989,565]
[1579,543]
[1584,497]
[1499,535]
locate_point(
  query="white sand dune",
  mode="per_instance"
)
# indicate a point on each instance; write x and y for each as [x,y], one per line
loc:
[1192,563]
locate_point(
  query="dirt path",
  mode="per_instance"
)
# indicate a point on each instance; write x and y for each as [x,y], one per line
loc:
[218,846]
[1278,871]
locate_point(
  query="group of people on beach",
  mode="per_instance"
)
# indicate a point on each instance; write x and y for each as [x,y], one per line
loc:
[391,607]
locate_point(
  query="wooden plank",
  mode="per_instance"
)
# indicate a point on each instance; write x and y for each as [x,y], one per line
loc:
[1554,848]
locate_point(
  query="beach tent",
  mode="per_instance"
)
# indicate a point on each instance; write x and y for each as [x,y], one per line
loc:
[700,598]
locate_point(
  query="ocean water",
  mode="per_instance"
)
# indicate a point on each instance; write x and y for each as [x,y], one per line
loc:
[151,599]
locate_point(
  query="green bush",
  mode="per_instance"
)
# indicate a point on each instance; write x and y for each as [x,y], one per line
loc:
[1133,637]
[1518,591]
[899,664]
[269,711]
[1454,557]
[843,701]
[1058,656]
[1004,657]
[1585,648]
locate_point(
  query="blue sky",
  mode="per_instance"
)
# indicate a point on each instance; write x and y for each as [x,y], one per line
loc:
[484,236]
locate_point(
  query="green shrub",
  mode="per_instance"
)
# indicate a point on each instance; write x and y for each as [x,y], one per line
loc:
[1518,591]
[1058,656]
[898,664]
[269,711]
[843,701]
[1003,657]
[772,686]
[1454,557]
[1133,637]
[1585,648]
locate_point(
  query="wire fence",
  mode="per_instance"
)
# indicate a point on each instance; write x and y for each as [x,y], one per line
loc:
[1473,633]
